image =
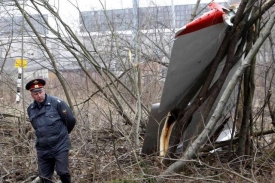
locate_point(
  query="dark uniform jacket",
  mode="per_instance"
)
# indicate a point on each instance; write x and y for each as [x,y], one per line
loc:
[52,121]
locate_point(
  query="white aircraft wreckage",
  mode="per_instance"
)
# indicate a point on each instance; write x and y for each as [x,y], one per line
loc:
[195,46]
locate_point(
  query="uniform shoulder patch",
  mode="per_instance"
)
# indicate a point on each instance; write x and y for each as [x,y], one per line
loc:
[58,100]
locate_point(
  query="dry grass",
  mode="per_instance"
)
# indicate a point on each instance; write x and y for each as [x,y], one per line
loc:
[103,156]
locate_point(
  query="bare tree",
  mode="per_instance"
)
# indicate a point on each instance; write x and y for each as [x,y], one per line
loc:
[93,65]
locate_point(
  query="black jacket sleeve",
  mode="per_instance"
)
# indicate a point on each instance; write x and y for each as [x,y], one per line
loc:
[66,115]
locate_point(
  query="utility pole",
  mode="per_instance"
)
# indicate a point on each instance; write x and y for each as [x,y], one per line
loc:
[135,30]
[136,70]
[173,16]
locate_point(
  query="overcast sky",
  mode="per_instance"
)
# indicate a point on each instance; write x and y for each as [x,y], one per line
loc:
[117,4]
[68,12]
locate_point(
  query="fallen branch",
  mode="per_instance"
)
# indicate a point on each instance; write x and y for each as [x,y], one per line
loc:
[36,180]
[8,115]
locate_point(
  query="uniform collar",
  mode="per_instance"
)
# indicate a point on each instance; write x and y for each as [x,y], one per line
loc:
[47,100]
[44,103]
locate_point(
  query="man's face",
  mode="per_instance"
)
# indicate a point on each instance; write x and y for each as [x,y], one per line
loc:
[38,96]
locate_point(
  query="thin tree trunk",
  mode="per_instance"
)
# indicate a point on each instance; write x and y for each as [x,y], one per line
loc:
[245,133]
[194,13]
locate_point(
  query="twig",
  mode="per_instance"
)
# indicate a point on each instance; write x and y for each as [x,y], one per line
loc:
[36,180]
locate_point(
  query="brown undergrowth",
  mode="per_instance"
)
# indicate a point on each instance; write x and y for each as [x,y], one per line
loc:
[105,156]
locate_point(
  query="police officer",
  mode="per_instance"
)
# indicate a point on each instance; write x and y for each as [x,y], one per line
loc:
[52,120]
